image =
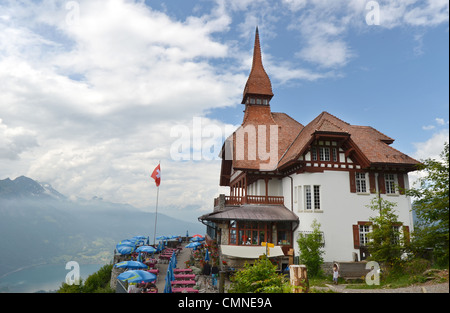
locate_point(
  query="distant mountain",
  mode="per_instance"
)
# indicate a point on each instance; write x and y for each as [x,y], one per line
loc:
[40,225]
[24,187]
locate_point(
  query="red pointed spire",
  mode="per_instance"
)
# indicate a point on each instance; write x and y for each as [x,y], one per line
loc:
[258,83]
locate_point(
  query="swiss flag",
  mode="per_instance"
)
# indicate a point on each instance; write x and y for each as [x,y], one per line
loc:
[156,175]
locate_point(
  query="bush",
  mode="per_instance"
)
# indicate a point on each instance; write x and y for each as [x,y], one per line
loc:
[97,282]
[310,247]
[261,277]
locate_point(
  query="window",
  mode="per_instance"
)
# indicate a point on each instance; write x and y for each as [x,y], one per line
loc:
[233,226]
[334,155]
[249,233]
[265,101]
[308,198]
[316,197]
[361,185]
[364,230]
[324,153]
[312,197]
[284,233]
[319,238]
[314,153]
[395,235]
[390,183]
[258,101]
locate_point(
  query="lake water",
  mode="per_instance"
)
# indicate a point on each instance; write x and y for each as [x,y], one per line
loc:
[42,277]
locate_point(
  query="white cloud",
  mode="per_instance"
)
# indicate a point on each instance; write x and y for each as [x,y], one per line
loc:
[432,147]
[429,149]
[440,121]
[138,72]
[428,127]
[324,25]
[326,53]
[14,141]
[295,5]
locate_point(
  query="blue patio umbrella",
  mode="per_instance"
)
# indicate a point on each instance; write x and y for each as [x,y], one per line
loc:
[168,285]
[159,247]
[137,276]
[148,249]
[193,245]
[125,248]
[127,242]
[173,261]
[138,240]
[196,239]
[139,237]
[131,265]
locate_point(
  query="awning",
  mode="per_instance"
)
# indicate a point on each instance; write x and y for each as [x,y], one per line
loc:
[250,252]
[253,212]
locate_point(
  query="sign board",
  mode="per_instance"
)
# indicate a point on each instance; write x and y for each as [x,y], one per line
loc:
[267,245]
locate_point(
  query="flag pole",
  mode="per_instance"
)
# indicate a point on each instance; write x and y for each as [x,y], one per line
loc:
[156,215]
[156,210]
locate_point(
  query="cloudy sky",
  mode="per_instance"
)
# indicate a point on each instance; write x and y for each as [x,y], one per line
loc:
[94,93]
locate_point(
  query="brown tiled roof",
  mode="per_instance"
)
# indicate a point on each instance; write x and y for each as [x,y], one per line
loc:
[253,212]
[256,116]
[373,144]
[258,82]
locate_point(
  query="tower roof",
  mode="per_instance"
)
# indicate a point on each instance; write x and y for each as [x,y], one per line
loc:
[258,83]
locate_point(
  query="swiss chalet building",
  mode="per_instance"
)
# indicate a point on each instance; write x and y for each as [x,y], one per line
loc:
[283,175]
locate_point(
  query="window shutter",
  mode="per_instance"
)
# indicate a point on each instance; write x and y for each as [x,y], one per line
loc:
[401,183]
[352,181]
[372,185]
[381,183]
[356,236]
[406,234]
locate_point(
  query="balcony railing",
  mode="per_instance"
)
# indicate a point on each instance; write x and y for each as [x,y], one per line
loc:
[236,200]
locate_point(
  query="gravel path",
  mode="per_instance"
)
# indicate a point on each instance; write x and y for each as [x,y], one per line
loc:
[435,288]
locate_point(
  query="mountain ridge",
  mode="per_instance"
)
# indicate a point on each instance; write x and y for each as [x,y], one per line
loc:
[40,225]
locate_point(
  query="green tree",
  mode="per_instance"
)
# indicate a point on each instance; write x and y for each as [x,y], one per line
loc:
[261,277]
[431,207]
[386,244]
[311,250]
[97,282]
[65,288]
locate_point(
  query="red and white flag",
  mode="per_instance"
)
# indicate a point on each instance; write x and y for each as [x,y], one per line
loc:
[156,175]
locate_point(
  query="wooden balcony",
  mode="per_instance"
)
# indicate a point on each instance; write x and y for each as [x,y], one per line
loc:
[236,200]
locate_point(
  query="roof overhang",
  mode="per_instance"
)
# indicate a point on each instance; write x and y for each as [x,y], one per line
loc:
[253,212]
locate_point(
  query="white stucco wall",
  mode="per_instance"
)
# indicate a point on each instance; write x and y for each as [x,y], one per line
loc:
[340,209]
